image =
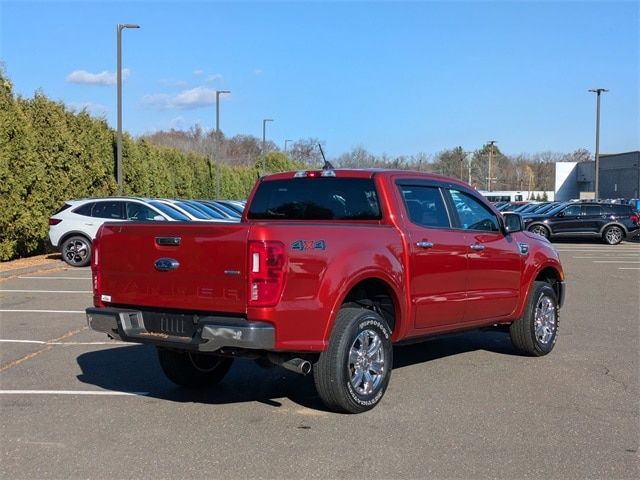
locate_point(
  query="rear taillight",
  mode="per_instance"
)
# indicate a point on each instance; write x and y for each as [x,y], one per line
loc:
[635,219]
[267,261]
[95,270]
[54,221]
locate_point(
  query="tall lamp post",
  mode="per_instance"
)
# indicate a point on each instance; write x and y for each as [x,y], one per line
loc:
[285,145]
[598,91]
[264,141]
[489,179]
[120,27]
[218,92]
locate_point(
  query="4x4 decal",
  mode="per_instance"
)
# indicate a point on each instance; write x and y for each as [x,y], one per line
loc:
[309,245]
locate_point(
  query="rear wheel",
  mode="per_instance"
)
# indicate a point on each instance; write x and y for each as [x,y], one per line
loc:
[193,370]
[613,235]
[352,375]
[76,251]
[540,230]
[536,332]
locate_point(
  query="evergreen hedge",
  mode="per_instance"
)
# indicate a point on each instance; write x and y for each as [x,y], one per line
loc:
[50,154]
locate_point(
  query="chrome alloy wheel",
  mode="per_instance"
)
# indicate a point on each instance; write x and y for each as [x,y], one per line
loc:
[613,235]
[540,230]
[76,252]
[366,362]
[546,321]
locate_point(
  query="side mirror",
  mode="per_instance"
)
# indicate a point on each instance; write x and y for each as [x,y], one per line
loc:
[158,218]
[512,222]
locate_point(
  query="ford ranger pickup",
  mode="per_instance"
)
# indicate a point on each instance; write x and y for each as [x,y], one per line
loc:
[326,271]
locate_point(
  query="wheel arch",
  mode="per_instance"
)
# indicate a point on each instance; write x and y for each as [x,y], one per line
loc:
[376,293]
[73,233]
[551,276]
[625,232]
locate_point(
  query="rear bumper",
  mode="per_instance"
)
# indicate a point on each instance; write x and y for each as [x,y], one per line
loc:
[182,331]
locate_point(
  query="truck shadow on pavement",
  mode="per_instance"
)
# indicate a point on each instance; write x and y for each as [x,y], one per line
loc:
[136,369]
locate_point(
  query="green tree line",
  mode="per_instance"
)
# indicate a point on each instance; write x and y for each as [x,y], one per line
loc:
[50,154]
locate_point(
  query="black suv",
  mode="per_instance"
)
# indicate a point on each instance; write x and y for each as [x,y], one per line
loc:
[610,222]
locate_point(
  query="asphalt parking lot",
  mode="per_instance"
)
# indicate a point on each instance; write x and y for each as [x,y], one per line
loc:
[76,405]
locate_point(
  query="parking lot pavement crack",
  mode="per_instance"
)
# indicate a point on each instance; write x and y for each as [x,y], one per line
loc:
[17,362]
[608,373]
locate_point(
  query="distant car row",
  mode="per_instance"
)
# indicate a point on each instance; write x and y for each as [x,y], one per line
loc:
[74,226]
[612,222]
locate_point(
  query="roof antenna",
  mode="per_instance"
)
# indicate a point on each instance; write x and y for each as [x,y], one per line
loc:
[327,165]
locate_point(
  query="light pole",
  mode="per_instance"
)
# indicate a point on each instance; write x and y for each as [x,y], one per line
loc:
[489,179]
[285,145]
[264,140]
[217,152]
[120,27]
[466,155]
[598,91]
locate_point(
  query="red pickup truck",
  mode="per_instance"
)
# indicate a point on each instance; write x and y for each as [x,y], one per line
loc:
[326,271]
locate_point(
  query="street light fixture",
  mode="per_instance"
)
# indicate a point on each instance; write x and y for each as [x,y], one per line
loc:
[218,92]
[264,140]
[598,91]
[120,27]
[217,141]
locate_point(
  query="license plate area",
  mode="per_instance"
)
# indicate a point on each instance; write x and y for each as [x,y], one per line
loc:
[171,324]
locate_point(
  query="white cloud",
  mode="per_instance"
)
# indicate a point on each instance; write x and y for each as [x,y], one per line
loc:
[177,123]
[187,99]
[173,83]
[198,72]
[214,77]
[102,78]
[95,109]
[258,71]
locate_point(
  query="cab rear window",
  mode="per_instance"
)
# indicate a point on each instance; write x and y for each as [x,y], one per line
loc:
[325,198]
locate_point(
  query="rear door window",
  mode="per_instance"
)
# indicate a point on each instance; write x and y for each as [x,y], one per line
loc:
[324,198]
[425,206]
[112,210]
[593,210]
[139,212]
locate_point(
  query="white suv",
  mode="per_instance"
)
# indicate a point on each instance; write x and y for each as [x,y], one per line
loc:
[74,226]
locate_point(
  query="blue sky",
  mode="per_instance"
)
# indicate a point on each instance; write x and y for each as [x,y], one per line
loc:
[393,77]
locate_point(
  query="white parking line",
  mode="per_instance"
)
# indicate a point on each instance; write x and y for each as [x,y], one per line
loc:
[614,261]
[43,311]
[46,291]
[71,392]
[628,268]
[41,342]
[57,278]
[611,256]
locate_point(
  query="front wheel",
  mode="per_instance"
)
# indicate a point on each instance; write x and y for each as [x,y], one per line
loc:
[540,230]
[536,332]
[352,375]
[613,235]
[193,370]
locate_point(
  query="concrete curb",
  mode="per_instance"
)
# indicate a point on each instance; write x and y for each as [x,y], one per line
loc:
[53,265]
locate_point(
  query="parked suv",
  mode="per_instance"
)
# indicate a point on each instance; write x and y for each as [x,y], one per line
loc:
[73,227]
[610,222]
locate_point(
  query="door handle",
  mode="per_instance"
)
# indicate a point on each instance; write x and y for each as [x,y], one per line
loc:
[477,247]
[424,244]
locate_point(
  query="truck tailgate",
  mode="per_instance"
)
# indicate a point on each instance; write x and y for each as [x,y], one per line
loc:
[192,266]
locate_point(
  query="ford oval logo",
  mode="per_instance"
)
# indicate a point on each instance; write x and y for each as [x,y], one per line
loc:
[166,264]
